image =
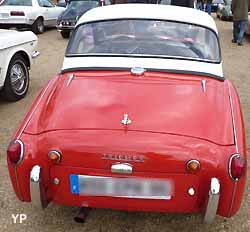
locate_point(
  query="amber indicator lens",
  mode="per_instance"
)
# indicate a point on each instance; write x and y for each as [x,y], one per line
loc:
[193,166]
[55,156]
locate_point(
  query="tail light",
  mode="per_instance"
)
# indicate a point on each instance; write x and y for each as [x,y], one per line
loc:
[54,156]
[193,166]
[15,152]
[237,166]
[17,13]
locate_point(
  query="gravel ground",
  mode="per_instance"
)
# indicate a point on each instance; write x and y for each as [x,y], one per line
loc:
[59,218]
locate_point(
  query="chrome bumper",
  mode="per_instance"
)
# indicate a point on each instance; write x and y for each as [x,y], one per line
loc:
[35,54]
[213,200]
[37,193]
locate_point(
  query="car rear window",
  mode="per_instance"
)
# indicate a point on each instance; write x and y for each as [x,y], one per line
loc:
[17,3]
[142,37]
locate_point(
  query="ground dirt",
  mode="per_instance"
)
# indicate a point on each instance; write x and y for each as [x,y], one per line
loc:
[236,62]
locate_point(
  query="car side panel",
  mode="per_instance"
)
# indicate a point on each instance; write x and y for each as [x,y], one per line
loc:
[241,141]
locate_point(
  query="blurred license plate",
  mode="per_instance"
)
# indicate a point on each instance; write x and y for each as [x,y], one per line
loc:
[147,188]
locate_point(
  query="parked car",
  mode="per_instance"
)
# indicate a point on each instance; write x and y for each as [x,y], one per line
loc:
[224,11]
[76,8]
[247,29]
[34,14]
[17,50]
[61,3]
[140,118]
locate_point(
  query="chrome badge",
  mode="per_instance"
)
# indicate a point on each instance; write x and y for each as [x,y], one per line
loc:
[124,157]
[126,120]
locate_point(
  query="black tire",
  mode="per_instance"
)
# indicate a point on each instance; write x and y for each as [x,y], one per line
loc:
[17,79]
[38,26]
[65,34]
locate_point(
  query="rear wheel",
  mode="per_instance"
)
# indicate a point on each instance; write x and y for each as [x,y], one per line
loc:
[17,79]
[38,26]
[65,34]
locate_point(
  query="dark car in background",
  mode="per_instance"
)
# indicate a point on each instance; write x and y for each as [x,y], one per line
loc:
[74,10]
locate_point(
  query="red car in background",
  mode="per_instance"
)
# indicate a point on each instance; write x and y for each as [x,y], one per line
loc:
[140,118]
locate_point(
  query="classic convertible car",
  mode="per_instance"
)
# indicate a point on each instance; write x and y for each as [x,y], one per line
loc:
[34,14]
[17,51]
[140,118]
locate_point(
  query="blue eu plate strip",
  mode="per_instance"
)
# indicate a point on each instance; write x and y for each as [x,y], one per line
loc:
[74,184]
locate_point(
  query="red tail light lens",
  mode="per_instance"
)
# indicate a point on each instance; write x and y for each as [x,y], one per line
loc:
[237,166]
[17,13]
[15,152]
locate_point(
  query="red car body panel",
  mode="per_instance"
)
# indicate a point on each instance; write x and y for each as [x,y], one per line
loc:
[174,121]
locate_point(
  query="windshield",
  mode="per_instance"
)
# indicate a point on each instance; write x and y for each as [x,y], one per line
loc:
[17,3]
[141,37]
[75,5]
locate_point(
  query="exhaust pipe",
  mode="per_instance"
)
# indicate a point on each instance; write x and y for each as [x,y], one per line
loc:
[82,214]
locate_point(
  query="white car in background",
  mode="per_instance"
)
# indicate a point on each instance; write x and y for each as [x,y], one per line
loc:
[34,14]
[17,50]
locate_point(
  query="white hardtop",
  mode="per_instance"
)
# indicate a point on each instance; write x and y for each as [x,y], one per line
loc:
[149,11]
[9,38]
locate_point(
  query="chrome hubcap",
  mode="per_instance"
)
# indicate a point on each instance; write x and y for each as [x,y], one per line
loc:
[18,78]
[40,26]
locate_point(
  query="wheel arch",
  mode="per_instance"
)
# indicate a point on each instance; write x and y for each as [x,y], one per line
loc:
[8,55]
[39,17]
[25,56]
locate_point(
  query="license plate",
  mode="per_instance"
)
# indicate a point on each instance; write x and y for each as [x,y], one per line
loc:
[145,188]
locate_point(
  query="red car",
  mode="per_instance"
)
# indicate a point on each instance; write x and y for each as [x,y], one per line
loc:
[140,118]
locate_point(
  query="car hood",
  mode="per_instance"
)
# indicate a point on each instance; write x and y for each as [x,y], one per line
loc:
[74,14]
[156,103]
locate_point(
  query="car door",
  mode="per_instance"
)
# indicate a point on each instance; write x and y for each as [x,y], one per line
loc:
[49,12]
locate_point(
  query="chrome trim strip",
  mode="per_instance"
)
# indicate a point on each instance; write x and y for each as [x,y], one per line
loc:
[233,118]
[27,42]
[213,200]
[71,77]
[35,179]
[233,196]
[122,168]
[203,84]
[33,111]
[237,150]
[35,54]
